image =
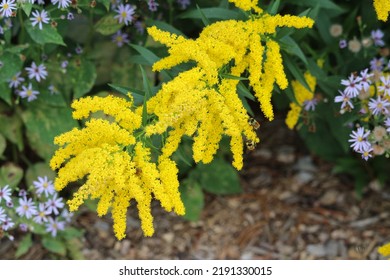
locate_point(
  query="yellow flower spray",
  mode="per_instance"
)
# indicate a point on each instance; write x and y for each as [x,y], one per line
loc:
[382,9]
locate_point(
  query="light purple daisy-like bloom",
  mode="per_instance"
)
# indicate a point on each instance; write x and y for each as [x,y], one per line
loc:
[29,93]
[386,85]
[353,86]
[376,64]
[26,208]
[39,18]
[7,7]
[9,204]
[120,38]
[23,227]
[5,193]
[2,215]
[183,3]
[345,99]
[377,36]
[42,214]
[365,81]
[54,203]
[310,105]
[366,153]
[359,139]
[62,4]
[152,5]
[343,44]
[54,225]
[67,215]
[16,80]
[70,16]
[36,72]
[22,193]
[387,124]
[125,13]
[44,185]
[378,106]
[7,224]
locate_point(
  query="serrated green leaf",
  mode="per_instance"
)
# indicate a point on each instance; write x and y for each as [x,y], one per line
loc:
[10,174]
[193,199]
[47,35]
[10,65]
[83,77]
[211,13]
[54,245]
[24,245]
[219,177]
[108,25]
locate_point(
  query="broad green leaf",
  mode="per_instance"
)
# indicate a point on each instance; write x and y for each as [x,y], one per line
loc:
[11,128]
[10,174]
[5,93]
[47,35]
[39,169]
[3,145]
[54,245]
[274,7]
[43,124]
[24,245]
[150,57]
[211,13]
[193,199]
[295,71]
[10,65]
[162,25]
[203,17]
[291,47]
[108,25]
[244,92]
[83,77]
[219,177]
[27,7]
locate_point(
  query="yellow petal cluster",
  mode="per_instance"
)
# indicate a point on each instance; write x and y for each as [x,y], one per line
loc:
[384,250]
[302,94]
[247,5]
[382,9]
[113,165]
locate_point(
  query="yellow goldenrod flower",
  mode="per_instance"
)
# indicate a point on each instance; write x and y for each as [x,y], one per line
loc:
[384,250]
[247,5]
[382,9]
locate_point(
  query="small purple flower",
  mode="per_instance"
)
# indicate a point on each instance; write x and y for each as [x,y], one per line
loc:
[44,185]
[352,86]
[53,226]
[53,204]
[125,13]
[7,224]
[366,152]
[2,215]
[79,50]
[38,72]
[29,93]
[120,38]
[386,85]
[387,124]
[7,7]
[42,214]
[377,36]
[365,81]
[377,64]
[184,3]
[5,193]
[359,139]
[9,204]
[61,3]
[64,64]
[152,4]
[38,18]
[345,99]
[310,105]
[343,44]
[26,208]
[23,227]
[70,16]
[378,106]
[22,193]
[16,80]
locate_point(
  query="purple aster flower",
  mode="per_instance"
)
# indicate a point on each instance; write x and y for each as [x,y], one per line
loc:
[359,139]
[125,13]
[53,226]
[378,106]
[38,18]
[79,50]
[310,105]
[352,86]
[2,215]
[44,185]
[7,7]
[365,81]
[7,224]
[29,93]
[5,193]
[387,124]
[42,214]
[9,204]
[16,80]
[37,72]
[152,4]
[377,64]
[366,152]
[26,208]
[386,85]
[120,38]
[22,193]
[61,3]
[377,36]
[343,44]
[54,203]
[345,99]
[184,3]
[64,64]
[23,227]
[70,16]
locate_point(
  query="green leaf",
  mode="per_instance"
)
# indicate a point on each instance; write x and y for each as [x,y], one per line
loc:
[291,47]
[83,77]
[274,7]
[162,25]
[43,124]
[47,35]
[5,93]
[71,233]
[244,92]
[27,7]
[295,71]
[108,25]
[148,94]
[106,3]
[137,94]
[193,199]
[3,145]
[211,13]
[54,245]
[10,174]
[10,65]
[150,57]
[11,127]
[39,169]
[17,49]
[203,17]
[219,177]
[24,245]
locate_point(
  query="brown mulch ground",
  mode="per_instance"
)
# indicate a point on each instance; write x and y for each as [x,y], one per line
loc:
[292,207]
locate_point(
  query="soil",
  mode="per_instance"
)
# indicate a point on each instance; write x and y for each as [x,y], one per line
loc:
[292,207]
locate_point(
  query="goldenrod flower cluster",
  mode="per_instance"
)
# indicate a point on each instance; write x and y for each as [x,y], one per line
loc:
[384,250]
[382,9]
[114,166]
[302,94]
[202,102]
